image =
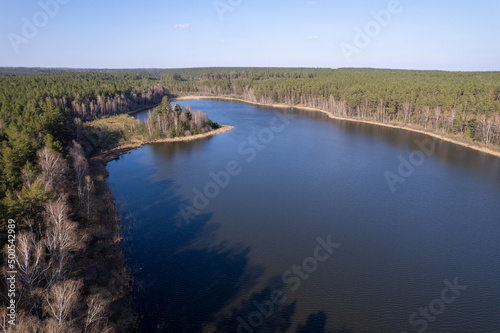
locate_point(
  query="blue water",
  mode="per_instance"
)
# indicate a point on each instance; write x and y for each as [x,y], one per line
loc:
[248,254]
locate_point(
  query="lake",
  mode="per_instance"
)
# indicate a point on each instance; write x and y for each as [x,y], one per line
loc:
[295,222]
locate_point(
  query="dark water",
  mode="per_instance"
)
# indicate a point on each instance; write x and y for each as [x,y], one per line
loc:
[143,115]
[251,254]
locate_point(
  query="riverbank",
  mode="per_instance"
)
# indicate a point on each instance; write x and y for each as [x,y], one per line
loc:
[110,273]
[106,236]
[471,145]
[114,153]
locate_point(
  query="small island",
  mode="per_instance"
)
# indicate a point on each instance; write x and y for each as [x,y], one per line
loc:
[114,135]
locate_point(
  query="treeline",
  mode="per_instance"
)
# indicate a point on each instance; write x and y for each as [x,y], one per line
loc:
[87,95]
[455,103]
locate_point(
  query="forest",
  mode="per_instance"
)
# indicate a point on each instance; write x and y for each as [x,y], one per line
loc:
[53,124]
[463,105]
[71,274]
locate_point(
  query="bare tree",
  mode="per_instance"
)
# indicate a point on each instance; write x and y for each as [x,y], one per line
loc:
[485,129]
[89,188]
[149,125]
[452,118]
[29,324]
[199,119]
[4,325]
[51,325]
[96,320]
[31,267]
[427,116]
[51,165]
[81,167]
[61,300]
[437,112]
[61,235]
[79,127]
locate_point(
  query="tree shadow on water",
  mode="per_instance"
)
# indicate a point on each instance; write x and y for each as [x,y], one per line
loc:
[182,280]
[316,323]
[185,279]
[264,311]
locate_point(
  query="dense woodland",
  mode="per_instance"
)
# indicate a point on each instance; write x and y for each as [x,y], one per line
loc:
[71,275]
[463,104]
[47,142]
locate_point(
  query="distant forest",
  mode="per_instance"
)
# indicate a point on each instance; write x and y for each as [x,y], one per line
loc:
[46,181]
[463,104]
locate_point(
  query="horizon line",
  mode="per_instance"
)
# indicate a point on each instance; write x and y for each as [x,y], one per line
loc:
[243,67]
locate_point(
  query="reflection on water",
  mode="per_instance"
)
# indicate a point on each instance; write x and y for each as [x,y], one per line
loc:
[318,177]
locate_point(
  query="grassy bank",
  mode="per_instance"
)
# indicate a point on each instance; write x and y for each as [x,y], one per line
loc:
[117,135]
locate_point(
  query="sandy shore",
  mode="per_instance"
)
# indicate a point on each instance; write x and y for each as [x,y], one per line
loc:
[301,107]
[224,128]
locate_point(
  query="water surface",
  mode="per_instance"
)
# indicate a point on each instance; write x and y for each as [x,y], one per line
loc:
[299,176]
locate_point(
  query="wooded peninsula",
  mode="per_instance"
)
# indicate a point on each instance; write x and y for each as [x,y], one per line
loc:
[59,128]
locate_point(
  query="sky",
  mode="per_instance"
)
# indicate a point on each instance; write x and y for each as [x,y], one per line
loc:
[400,34]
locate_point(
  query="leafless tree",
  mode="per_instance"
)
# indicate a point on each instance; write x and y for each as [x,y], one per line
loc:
[149,125]
[199,119]
[4,325]
[407,112]
[81,167]
[451,119]
[31,267]
[89,188]
[51,165]
[29,324]
[79,128]
[61,300]
[96,320]
[485,129]
[61,235]
[437,113]
[427,116]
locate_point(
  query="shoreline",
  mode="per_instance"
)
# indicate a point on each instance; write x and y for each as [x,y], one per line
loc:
[127,317]
[307,108]
[116,152]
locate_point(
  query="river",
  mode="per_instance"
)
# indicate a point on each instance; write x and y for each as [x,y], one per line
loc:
[295,222]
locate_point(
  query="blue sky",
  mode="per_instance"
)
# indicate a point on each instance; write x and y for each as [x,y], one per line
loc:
[420,34]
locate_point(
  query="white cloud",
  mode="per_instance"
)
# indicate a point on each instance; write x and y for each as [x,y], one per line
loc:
[313,37]
[182,26]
